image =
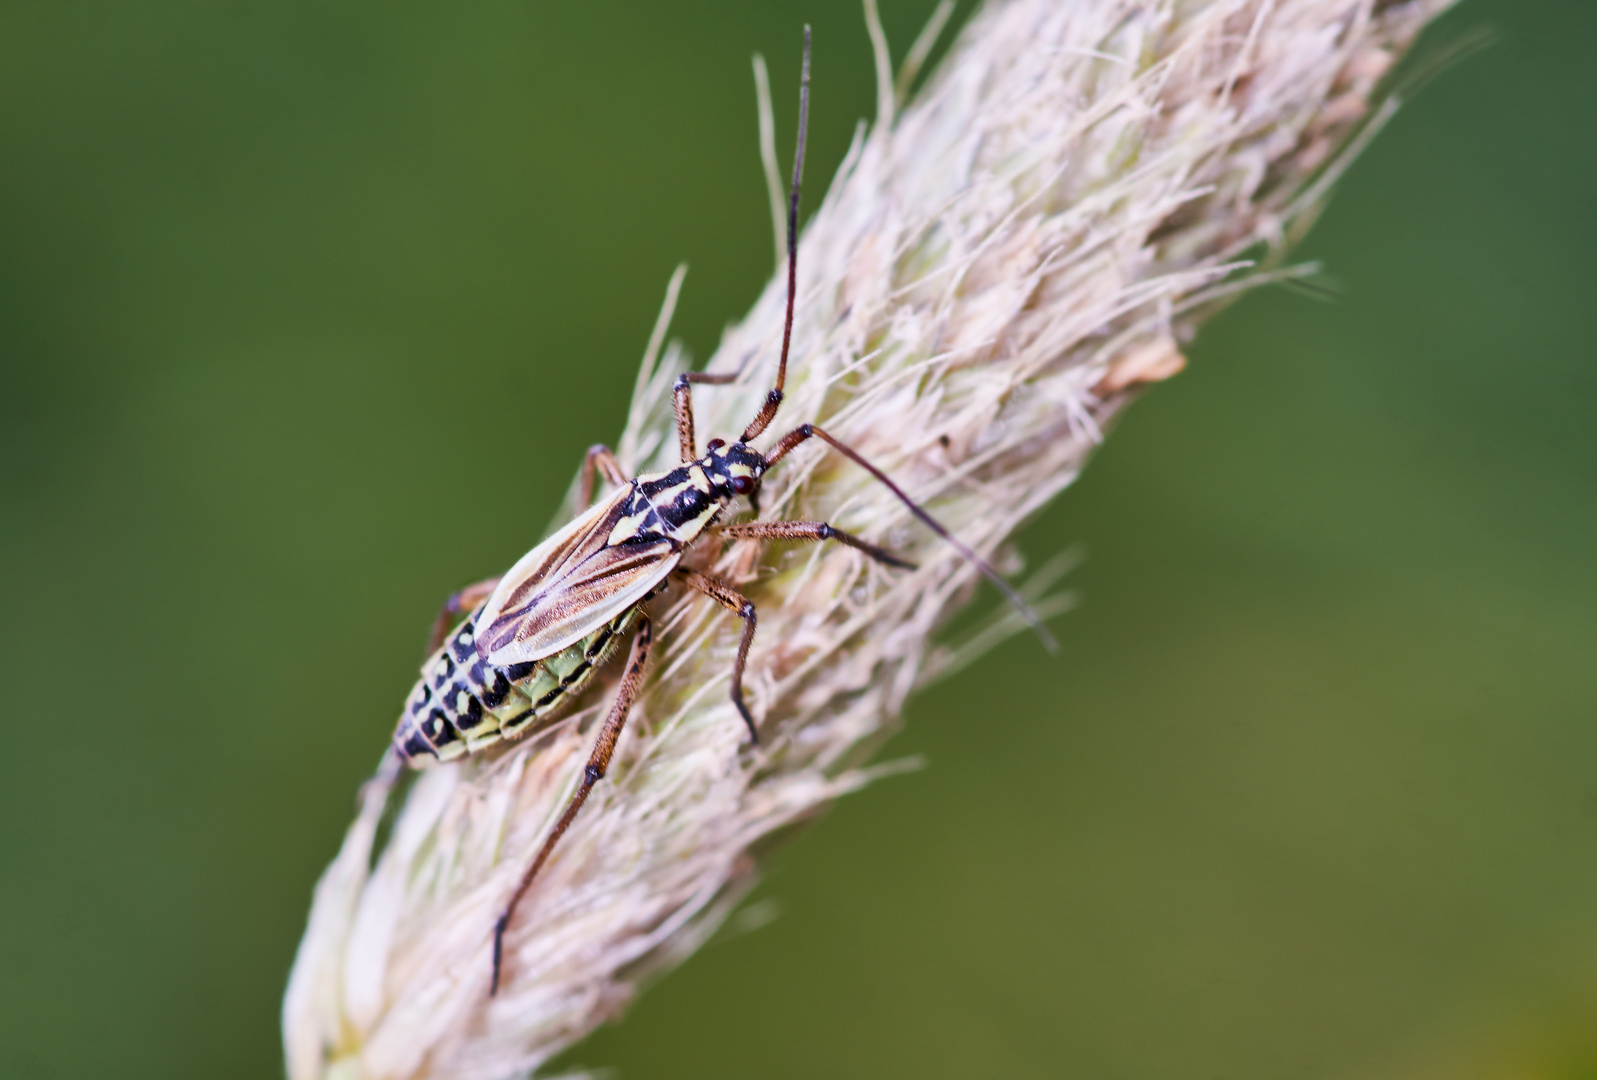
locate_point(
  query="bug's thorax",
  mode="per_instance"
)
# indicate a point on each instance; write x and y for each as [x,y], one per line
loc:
[681,503]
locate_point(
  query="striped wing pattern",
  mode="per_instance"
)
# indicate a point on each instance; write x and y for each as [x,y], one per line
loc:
[570,585]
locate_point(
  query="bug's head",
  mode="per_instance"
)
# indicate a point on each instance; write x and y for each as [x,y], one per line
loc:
[738,467]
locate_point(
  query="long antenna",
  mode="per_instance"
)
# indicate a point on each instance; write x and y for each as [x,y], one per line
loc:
[809,431]
[773,400]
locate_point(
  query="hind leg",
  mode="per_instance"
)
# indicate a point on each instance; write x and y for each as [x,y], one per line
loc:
[459,602]
[599,761]
[598,459]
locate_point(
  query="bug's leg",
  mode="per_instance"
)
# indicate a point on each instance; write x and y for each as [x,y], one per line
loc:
[740,605]
[598,762]
[388,772]
[459,602]
[805,432]
[599,456]
[809,530]
[682,401]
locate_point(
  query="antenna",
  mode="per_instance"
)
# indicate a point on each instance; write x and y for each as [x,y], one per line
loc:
[773,400]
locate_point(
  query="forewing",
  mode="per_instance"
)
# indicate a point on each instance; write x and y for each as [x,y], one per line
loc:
[580,538]
[601,589]
[569,586]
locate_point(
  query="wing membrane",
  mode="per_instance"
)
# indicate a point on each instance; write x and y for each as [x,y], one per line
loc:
[569,586]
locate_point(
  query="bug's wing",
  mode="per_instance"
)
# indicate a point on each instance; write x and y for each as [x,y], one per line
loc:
[568,586]
[598,591]
[579,539]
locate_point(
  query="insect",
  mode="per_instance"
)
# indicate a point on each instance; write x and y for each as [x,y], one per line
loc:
[535,636]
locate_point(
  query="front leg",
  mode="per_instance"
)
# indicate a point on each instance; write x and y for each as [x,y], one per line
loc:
[735,602]
[459,602]
[810,530]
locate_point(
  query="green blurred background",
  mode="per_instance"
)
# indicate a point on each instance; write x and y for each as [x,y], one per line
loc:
[307,312]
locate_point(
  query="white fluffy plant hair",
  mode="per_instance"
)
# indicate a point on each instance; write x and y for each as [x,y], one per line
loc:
[995,270]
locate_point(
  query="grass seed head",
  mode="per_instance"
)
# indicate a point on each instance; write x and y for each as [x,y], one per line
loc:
[993,274]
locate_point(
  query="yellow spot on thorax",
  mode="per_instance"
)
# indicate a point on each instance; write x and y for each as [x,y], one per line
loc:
[627,528]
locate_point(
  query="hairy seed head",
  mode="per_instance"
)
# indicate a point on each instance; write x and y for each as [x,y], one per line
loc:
[992,276]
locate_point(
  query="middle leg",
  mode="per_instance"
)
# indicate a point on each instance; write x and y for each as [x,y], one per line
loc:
[810,530]
[735,602]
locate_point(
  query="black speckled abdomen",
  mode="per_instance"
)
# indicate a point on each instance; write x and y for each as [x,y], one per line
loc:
[463,703]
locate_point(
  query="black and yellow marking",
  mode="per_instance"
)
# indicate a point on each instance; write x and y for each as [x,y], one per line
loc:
[464,703]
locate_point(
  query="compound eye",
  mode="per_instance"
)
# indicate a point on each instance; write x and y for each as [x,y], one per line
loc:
[742,484]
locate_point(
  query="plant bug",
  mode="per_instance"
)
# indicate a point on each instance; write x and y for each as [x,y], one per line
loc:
[534,636]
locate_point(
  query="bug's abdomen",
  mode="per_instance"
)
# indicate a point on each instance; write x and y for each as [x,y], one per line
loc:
[463,703]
